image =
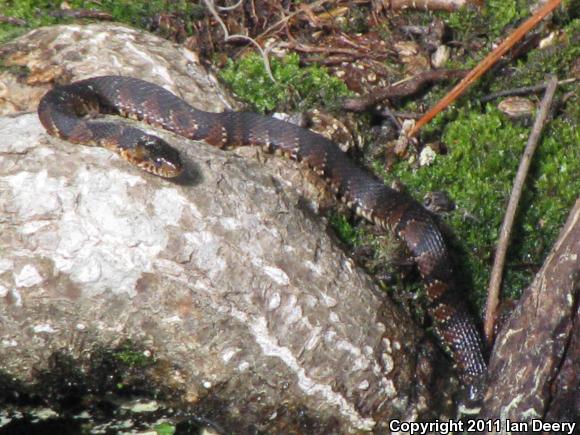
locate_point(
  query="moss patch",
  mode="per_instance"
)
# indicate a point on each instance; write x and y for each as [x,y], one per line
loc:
[133,356]
[485,148]
[495,22]
[295,87]
[555,59]
[164,429]
[484,154]
[494,17]
[346,232]
[37,13]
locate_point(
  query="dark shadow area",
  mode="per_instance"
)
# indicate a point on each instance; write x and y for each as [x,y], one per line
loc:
[191,175]
[53,426]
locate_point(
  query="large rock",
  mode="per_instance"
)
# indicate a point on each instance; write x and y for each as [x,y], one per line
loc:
[224,275]
[62,54]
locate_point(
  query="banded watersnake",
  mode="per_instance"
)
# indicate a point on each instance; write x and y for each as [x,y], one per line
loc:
[62,112]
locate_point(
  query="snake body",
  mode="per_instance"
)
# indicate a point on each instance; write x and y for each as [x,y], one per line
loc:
[62,111]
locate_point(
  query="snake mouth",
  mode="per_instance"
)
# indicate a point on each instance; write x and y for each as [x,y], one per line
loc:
[163,169]
[157,157]
[153,164]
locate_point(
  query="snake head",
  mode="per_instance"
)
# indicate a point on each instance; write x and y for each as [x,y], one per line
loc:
[156,156]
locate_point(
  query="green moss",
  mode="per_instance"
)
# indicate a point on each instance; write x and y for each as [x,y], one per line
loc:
[37,12]
[484,154]
[490,23]
[345,231]
[491,20]
[378,254]
[164,429]
[295,87]
[555,59]
[133,356]
[463,22]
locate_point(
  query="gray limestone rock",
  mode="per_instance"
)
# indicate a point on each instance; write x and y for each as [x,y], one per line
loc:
[224,275]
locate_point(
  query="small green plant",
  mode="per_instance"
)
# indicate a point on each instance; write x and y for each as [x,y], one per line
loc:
[344,229]
[133,356]
[295,87]
[164,429]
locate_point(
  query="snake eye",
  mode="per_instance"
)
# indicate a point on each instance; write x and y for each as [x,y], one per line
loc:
[167,168]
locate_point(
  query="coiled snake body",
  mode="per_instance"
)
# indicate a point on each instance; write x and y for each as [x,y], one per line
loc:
[62,111]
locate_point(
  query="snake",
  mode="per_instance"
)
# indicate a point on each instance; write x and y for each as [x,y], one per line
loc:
[73,112]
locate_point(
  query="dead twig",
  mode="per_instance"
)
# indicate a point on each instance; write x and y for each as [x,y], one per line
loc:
[434,5]
[358,50]
[506,227]
[486,63]
[289,17]
[526,90]
[230,8]
[333,55]
[326,50]
[386,112]
[227,37]
[327,60]
[404,115]
[82,13]
[12,20]
[404,88]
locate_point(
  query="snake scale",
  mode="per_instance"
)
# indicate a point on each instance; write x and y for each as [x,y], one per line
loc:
[62,112]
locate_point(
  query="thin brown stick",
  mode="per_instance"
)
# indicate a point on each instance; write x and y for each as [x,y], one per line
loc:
[486,63]
[506,227]
[12,20]
[434,5]
[349,54]
[404,115]
[330,60]
[526,90]
[82,13]
[403,88]
[313,49]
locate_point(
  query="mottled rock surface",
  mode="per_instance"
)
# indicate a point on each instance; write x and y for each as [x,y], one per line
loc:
[62,54]
[225,275]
